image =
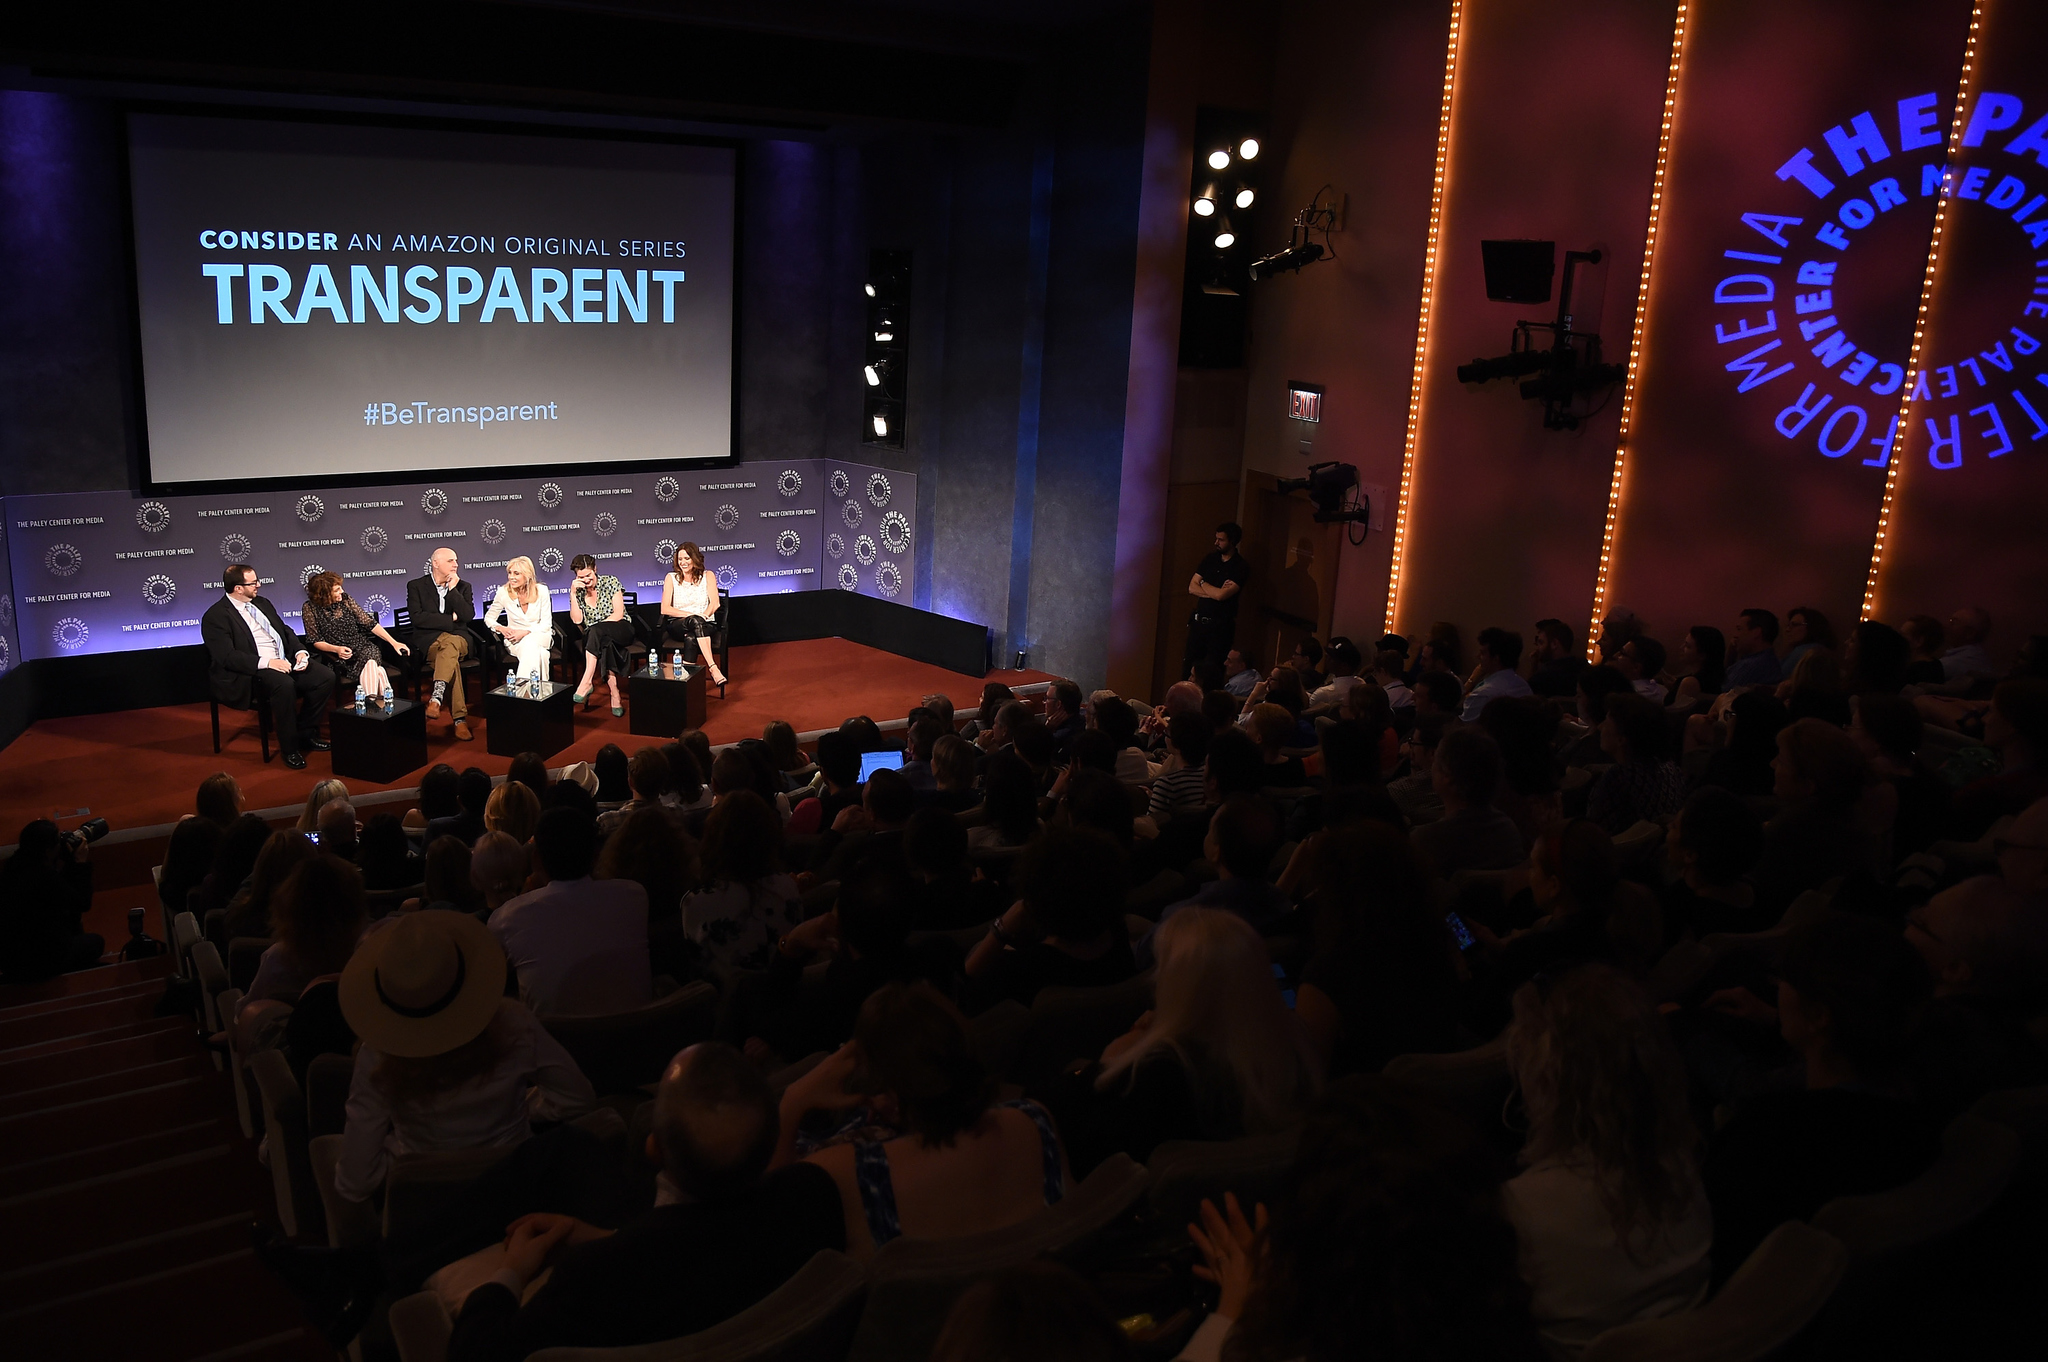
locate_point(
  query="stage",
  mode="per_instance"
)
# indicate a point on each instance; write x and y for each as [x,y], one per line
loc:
[138,768]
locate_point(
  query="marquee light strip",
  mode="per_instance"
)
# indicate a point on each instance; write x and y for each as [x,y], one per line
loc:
[1898,432]
[1635,343]
[1432,255]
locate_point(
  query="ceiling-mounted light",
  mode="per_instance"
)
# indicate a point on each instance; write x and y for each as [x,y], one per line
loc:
[1205,206]
[881,424]
[884,337]
[876,372]
[868,289]
[1248,149]
[1244,198]
[1218,159]
[1225,238]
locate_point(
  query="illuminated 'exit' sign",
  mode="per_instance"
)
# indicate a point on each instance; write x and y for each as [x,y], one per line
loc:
[1304,402]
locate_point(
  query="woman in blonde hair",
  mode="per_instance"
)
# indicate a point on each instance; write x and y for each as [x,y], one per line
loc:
[1613,1220]
[514,811]
[1219,1055]
[689,602]
[318,798]
[528,625]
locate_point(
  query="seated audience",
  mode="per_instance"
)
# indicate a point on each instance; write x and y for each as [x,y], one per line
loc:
[1985,944]
[194,843]
[1239,675]
[1009,803]
[924,735]
[722,1234]
[1272,727]
[648,849]
[1641,786]
[1813,688]
[785,754]
[646,779]
[612,786]
[2016,732]
[1217,1057]
[1805,631]
[339,829]
[1525,728]
[1924,638]
[440,797]
[1243,835]
[1387,675]
[1712,842]
[249,911]
[579,944]
[1585,912]
[1887,728]
[498,869]
[1089,797]
[1744,761]
[316,799]
[1351,785]
[1177,791]
[1066,927]
[1443,651]
[473,794]
[1613,1222]
[1752,660]
[1848,991]
[1472,834]
[1384,977]
[953,768]
[1820,777]
[514,810]
[385,855]
[1596,684]
[685,792]
[1701,667]
[1557,665]
[1343,661]
[316,917]
[1028,1313]
[1499,651]
[1116,720]
[445,879]
[219,800]
[747,901]
[233,863]
[963,1164]
[1388,1240]
[1965,661]
[531,770]
[447,1061]
[944,892]
[1875,660]
[45,890]
[1641,660]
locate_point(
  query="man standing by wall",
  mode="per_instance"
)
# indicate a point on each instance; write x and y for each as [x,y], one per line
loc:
[1216,585]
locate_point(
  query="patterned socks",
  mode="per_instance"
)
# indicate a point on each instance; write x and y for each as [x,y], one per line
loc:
[440,691]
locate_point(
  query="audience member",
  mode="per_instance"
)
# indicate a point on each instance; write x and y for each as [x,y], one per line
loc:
[513,810]
[45,890]
[685,792]
[1701,668]
[953,764]
[531,770]
[1848,991]
[1387,1240]
[924,734]
[1351,783]
[1966,660]
[1472,834]
[1387,674]
[1437,697]
[447,1062]
[1557,666]
[1712,843]
[1813,689]
[1009,804]
[1641,660]
[1344,661]
[1580,900]
[2016,732]
[839,765]
[1384,977]
[1752,661]
[1239,675]
[440,797]
[249,911]
[473,793]
[1065,928]
[613,787]
[1805,630]
[1888,729]
[651,851]
[963,1164]
[1495,676]
[1093,798]
[1875,660]
[646,780]
[1217,1057]
[1613,1222]
[1272,727]
[945,893]
[1745,761]
[722,1234]
[1617,627]
[385,854]
[316,798]
[498,866]
[189,855]
[994,696]
[445,880]
[338,828]
[219,800]
[747,901]
[579,945]
[1243,835]
[1525,728]
[233,863]
[1442,651]
[1641,785]
[1820,778]
[1985,945]
[316,918]
[784,753]
[1924,640]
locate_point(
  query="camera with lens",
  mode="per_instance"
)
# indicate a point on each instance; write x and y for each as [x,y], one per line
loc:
[85,834]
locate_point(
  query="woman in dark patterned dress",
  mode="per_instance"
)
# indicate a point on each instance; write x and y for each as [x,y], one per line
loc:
[348,634]
[598,605]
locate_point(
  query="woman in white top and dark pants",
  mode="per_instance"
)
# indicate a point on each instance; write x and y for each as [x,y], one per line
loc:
[529,617]
[689,602]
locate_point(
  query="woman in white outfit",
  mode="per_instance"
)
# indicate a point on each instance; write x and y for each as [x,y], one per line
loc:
[689,602]
[528,623]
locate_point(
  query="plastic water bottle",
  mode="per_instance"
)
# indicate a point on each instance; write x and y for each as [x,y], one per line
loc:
[360,698]
[387,695]
[511,681]
[534,684]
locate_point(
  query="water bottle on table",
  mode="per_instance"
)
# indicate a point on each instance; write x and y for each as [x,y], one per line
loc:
[533,684]
[387,695]
[511,681]
[360,698]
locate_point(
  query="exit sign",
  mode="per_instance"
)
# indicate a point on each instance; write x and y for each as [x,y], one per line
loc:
[1304,402]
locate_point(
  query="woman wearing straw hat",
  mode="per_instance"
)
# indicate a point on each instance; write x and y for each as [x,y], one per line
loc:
[447,1061]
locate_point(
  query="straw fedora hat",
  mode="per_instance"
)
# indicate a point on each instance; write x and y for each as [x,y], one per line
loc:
[425,985]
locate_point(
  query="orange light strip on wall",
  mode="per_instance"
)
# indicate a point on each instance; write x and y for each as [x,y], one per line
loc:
[1898,443]
[1430,258]
[1635,341]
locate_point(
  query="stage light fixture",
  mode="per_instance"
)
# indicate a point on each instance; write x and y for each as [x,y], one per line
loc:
[1248,149]
[1205,206]
[868,289]
[881,424]
[1333,487]
[1293,258]
[1404,496]
[1226,238]
[876,372]
[1218,160]
[884,337]
[1604,579]
[886,360]
[1244,198]
[1882,540]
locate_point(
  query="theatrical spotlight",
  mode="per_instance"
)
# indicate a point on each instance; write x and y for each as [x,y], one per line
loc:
[1504,366]
[1318,218]
[1218,160]
[1225,238]
[868,289]
[877,371]
[1248,150]
[1205,206]
[881,424]
[885,365]
[1244,198]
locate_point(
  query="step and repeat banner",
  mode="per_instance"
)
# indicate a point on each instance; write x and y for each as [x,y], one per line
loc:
[101,572]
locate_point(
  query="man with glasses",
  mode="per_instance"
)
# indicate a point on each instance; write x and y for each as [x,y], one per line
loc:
[256,659]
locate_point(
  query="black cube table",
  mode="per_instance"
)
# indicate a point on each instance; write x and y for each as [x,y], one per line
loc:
[521,723]
[379,745]
[661,704]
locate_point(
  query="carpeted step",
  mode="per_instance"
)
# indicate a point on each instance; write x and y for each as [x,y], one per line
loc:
[106,1084]
[133,988]
[86,981]
[39,1134]
[293,1345]
[128,1149]
[61,1221]
[84,1039]
[84,1061]
[207,1308]
[77,1017]
[119,1260]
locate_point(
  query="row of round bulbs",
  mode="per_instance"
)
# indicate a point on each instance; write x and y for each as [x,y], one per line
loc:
[1205,205]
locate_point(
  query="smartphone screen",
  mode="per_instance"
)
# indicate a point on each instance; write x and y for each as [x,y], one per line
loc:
[1459,930]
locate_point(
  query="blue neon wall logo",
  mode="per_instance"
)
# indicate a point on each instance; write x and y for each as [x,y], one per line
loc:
[1781,306]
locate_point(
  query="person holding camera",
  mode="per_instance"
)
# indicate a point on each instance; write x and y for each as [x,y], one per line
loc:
[45,888]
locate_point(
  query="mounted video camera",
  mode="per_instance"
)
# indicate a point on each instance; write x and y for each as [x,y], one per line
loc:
[1333,489]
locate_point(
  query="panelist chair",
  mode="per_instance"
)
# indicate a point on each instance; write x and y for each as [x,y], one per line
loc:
[262,725]
[721,635]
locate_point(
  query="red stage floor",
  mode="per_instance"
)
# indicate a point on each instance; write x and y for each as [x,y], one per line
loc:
[139,767]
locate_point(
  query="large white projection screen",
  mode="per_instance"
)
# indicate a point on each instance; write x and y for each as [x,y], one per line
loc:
[321,299]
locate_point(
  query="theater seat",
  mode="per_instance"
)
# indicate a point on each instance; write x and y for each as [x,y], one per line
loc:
[621,1051]
[1773,1296]
[915,1281]
[1185,1172]
[1472,1082]
[1978,1158]
[284,1124]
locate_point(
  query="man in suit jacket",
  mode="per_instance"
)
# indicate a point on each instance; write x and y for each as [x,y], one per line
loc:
[442,608]
[256,659]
